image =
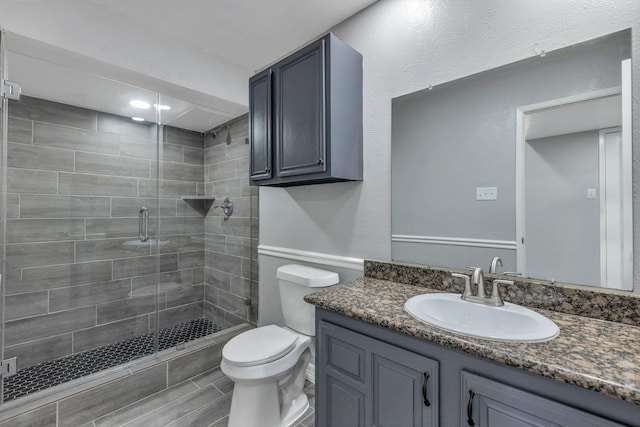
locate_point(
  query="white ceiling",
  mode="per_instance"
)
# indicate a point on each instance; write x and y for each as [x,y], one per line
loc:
[247,33]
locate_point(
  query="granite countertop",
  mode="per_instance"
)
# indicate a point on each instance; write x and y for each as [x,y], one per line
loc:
[593,354]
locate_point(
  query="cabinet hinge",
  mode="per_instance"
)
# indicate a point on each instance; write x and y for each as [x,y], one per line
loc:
[11,90]
[8,367]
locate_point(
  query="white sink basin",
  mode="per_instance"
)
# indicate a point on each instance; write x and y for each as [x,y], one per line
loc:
[508,323]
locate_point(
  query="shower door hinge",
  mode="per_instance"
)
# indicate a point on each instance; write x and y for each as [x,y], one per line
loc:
[8,367]
[11,90]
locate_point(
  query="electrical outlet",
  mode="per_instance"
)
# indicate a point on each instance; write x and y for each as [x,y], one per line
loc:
[487,193]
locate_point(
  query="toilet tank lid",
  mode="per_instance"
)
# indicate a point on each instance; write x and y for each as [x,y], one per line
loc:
[307,276]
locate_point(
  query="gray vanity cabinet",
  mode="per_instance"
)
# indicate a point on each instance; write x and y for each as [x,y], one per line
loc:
[492,404]
[305,117]
[371,383]
[368,376]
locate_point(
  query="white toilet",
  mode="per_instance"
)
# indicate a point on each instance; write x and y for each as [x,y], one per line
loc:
[268,364]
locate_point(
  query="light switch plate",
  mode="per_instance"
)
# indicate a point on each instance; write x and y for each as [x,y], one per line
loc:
[487,193]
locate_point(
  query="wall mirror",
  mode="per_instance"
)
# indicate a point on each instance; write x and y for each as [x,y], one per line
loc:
[530,162]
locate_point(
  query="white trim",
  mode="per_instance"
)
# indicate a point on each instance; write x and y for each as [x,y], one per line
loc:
[627,178]
[603,93]
[521,249]
[455,241]
[602,195]
[313,257]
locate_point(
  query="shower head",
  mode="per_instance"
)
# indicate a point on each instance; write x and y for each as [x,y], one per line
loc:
[213,133]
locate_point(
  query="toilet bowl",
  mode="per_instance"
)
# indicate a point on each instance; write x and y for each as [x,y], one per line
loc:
[268,364]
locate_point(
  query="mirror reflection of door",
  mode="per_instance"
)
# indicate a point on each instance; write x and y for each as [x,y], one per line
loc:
[575,215]
[612,206]
[562,224]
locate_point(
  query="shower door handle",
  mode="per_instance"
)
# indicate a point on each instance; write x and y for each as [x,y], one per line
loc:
[143,224]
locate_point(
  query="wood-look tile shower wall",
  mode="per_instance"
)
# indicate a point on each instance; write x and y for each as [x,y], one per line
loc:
[231,291]
[77,275]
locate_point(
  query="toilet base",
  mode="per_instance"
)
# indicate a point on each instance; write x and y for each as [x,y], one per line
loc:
[258,405]
[298,407]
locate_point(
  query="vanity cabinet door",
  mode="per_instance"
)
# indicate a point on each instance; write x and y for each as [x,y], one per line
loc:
[366,382]
[488,403]
[404,388]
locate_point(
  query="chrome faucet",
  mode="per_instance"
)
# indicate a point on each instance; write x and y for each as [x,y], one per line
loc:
[481,295]
[495,262]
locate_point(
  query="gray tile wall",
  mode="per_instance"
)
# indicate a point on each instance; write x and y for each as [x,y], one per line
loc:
[231,287]
[77,275]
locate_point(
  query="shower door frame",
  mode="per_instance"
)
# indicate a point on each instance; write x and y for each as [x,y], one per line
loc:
[154,247]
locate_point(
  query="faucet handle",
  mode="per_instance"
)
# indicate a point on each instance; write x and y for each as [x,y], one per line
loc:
[467,283]
[512,273]
[496,299]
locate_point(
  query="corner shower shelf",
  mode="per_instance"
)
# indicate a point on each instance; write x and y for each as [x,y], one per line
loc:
[201,204]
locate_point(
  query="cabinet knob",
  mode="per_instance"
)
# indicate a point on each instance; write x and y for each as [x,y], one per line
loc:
[267,170]
[321,162]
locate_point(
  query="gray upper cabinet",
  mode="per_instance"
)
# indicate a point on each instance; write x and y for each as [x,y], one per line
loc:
[305,115]
[260,125]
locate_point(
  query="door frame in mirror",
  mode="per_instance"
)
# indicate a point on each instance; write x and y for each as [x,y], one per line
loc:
[625,91]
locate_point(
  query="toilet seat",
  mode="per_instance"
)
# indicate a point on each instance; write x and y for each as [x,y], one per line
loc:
[259,346]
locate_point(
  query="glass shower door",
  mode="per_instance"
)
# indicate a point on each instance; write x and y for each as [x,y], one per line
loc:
[80,246]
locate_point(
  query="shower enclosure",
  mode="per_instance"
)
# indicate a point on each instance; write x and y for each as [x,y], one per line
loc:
[113,245]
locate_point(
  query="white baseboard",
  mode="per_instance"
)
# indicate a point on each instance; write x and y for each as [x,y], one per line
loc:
[313,257]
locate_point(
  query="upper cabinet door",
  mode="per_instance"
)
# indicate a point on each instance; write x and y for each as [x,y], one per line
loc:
[300,112]
[260,125]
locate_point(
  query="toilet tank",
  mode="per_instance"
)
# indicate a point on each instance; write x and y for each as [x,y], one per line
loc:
[296,281]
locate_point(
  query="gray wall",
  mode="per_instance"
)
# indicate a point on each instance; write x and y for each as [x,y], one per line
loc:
[454,138]
[231,295]
[407,46]
[562,225]
[76,274]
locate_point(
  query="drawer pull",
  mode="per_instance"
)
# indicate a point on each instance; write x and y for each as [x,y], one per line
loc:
[424,389]
[470,408]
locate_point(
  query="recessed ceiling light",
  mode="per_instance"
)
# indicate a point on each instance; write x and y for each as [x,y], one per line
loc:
[139,104]
[162,107]
[137,119]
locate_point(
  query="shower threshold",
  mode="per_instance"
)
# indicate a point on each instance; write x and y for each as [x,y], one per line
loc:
[54,372]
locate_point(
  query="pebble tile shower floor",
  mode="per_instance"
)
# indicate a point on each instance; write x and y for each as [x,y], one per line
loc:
[58,371]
